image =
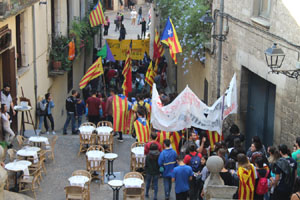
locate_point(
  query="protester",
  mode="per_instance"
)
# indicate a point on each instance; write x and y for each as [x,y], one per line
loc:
[49,105]
[108,108]
[143,23]
[234,133]
[236,149]
[285,173]
[122,33]
[296,155]
[226,174]
[133,15]
[93,104]
[141,126]
[40,111]
[9,134]
[296,194]
[261,184]
[167,162]
[80,108]
[103,107]
[259,147]
[192,138]
[7,99]
[152,170]
[106,26]
[247,176]
[71,102]
[153,137]
[182,174]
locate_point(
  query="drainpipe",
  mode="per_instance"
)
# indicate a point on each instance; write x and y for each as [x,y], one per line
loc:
[220,49]
[34,57]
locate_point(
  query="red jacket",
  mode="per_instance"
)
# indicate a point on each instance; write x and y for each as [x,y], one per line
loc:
[147,147]
[188,158]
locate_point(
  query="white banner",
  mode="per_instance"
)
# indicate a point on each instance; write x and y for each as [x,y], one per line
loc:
[188,110]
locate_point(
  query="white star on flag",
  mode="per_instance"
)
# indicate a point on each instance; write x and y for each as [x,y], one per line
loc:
[170,32]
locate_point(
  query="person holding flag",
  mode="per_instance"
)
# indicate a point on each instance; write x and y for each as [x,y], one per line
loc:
[169,37]
[141,127]
[93,72]
[127,72]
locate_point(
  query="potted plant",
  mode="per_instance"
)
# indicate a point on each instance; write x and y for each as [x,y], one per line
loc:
[58,51]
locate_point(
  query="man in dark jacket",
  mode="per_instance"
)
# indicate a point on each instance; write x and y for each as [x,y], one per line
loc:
[71,102]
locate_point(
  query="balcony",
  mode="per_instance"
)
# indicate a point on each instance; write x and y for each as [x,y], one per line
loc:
[10,8]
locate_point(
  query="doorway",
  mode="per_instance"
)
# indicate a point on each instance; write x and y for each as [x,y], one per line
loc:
[260,109]
[109,4]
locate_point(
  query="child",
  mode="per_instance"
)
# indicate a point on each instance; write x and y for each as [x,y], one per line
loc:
[152,170]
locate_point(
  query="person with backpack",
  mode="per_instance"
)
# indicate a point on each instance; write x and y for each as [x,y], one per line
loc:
[141,104]
[182,174]
[261,183]
[167,162]
[71,102]
[152,170]
[285,170]
[193,159]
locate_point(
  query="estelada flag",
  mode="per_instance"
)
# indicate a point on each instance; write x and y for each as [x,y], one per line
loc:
[158,49]
[129,121]
[142,130]
[120,109]
[174,138]
[246,182]
[93,72]
[169,37]
[97,15]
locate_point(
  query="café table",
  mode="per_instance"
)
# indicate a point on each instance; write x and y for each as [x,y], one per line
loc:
[38,141]
[29,152]
[104,132]
[78,180]
[133,183]
[94,155]
[110,157]
[86,131]
[115,185]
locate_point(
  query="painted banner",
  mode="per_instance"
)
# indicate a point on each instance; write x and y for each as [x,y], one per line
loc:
[188,110]
[119,48]
[230,99]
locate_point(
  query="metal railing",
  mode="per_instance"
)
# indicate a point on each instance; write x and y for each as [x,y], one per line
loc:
[12,7]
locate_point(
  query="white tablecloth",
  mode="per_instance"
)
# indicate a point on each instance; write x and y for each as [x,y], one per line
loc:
[104,133]
[139,153]
[78,180]
[40,139]
[21,165]
[86,129]
[28,153]
[29,148]
[133,183]
[94,155]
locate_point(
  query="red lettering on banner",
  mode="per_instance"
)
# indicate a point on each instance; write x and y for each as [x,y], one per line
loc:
[228,110]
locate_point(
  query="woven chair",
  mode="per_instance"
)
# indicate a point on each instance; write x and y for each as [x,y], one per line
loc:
[40,166]
[88,124]
[52,148]
[134,165]
[96,165]
[12,153]
[134,192]
[107,141]
[76,192]
[104,123]
[31,181]
[86,141]
[87,174]
[22,140]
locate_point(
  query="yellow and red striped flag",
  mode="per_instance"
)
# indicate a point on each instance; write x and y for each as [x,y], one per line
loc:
[149,78]
[127,84]
[158,49]
[120,111]
[142,131]
[174,138]
[97,15]
[213,137]
[93,72]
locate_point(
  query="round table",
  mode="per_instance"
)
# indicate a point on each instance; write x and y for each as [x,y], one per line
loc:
[38,140]
[104,130]
[110,157]
[29,148]
[139,154]
[28,153]
[86,131]
[133,183]
[115,185]
[78,180]
[18,166]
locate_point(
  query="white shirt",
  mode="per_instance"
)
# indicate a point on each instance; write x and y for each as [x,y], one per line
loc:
[5,121]
[133,14]
[6,100]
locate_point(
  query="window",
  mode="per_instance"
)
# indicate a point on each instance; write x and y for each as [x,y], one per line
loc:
[264,8]
[70,79]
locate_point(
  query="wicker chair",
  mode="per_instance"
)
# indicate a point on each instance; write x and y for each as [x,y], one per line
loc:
[21,140]
[96,165]
[134,165]
[52,147]
[134,192]
[87,174]
[31,181]
[76,192]
[86,141]
[104,123]
[12,153]
[107,141]
[88,124]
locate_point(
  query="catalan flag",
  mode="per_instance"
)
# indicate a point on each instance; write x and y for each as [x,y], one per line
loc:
[93,72]
[142,130]
[213,137]
[127,84]
[158,49]
[97,15]
[120,111]
[246,182]
[174,138]
[149,75]
[169,37]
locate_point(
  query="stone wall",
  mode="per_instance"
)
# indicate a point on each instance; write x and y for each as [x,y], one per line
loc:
[245,45]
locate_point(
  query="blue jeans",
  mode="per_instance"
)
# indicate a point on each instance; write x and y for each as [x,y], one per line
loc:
[79,119]
[70,116]
[167,186]
[155,184]
[41,121]
[139,19]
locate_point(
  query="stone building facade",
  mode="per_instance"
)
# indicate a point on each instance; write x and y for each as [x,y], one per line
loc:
[268,103]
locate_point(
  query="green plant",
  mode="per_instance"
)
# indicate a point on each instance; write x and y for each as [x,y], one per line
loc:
[4,144]
[59,50]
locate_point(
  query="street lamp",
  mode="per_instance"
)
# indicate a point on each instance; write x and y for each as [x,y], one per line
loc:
[206,18]
[274,57]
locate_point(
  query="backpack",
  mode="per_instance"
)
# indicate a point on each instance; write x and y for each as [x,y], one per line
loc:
[262,185]
[195,162]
